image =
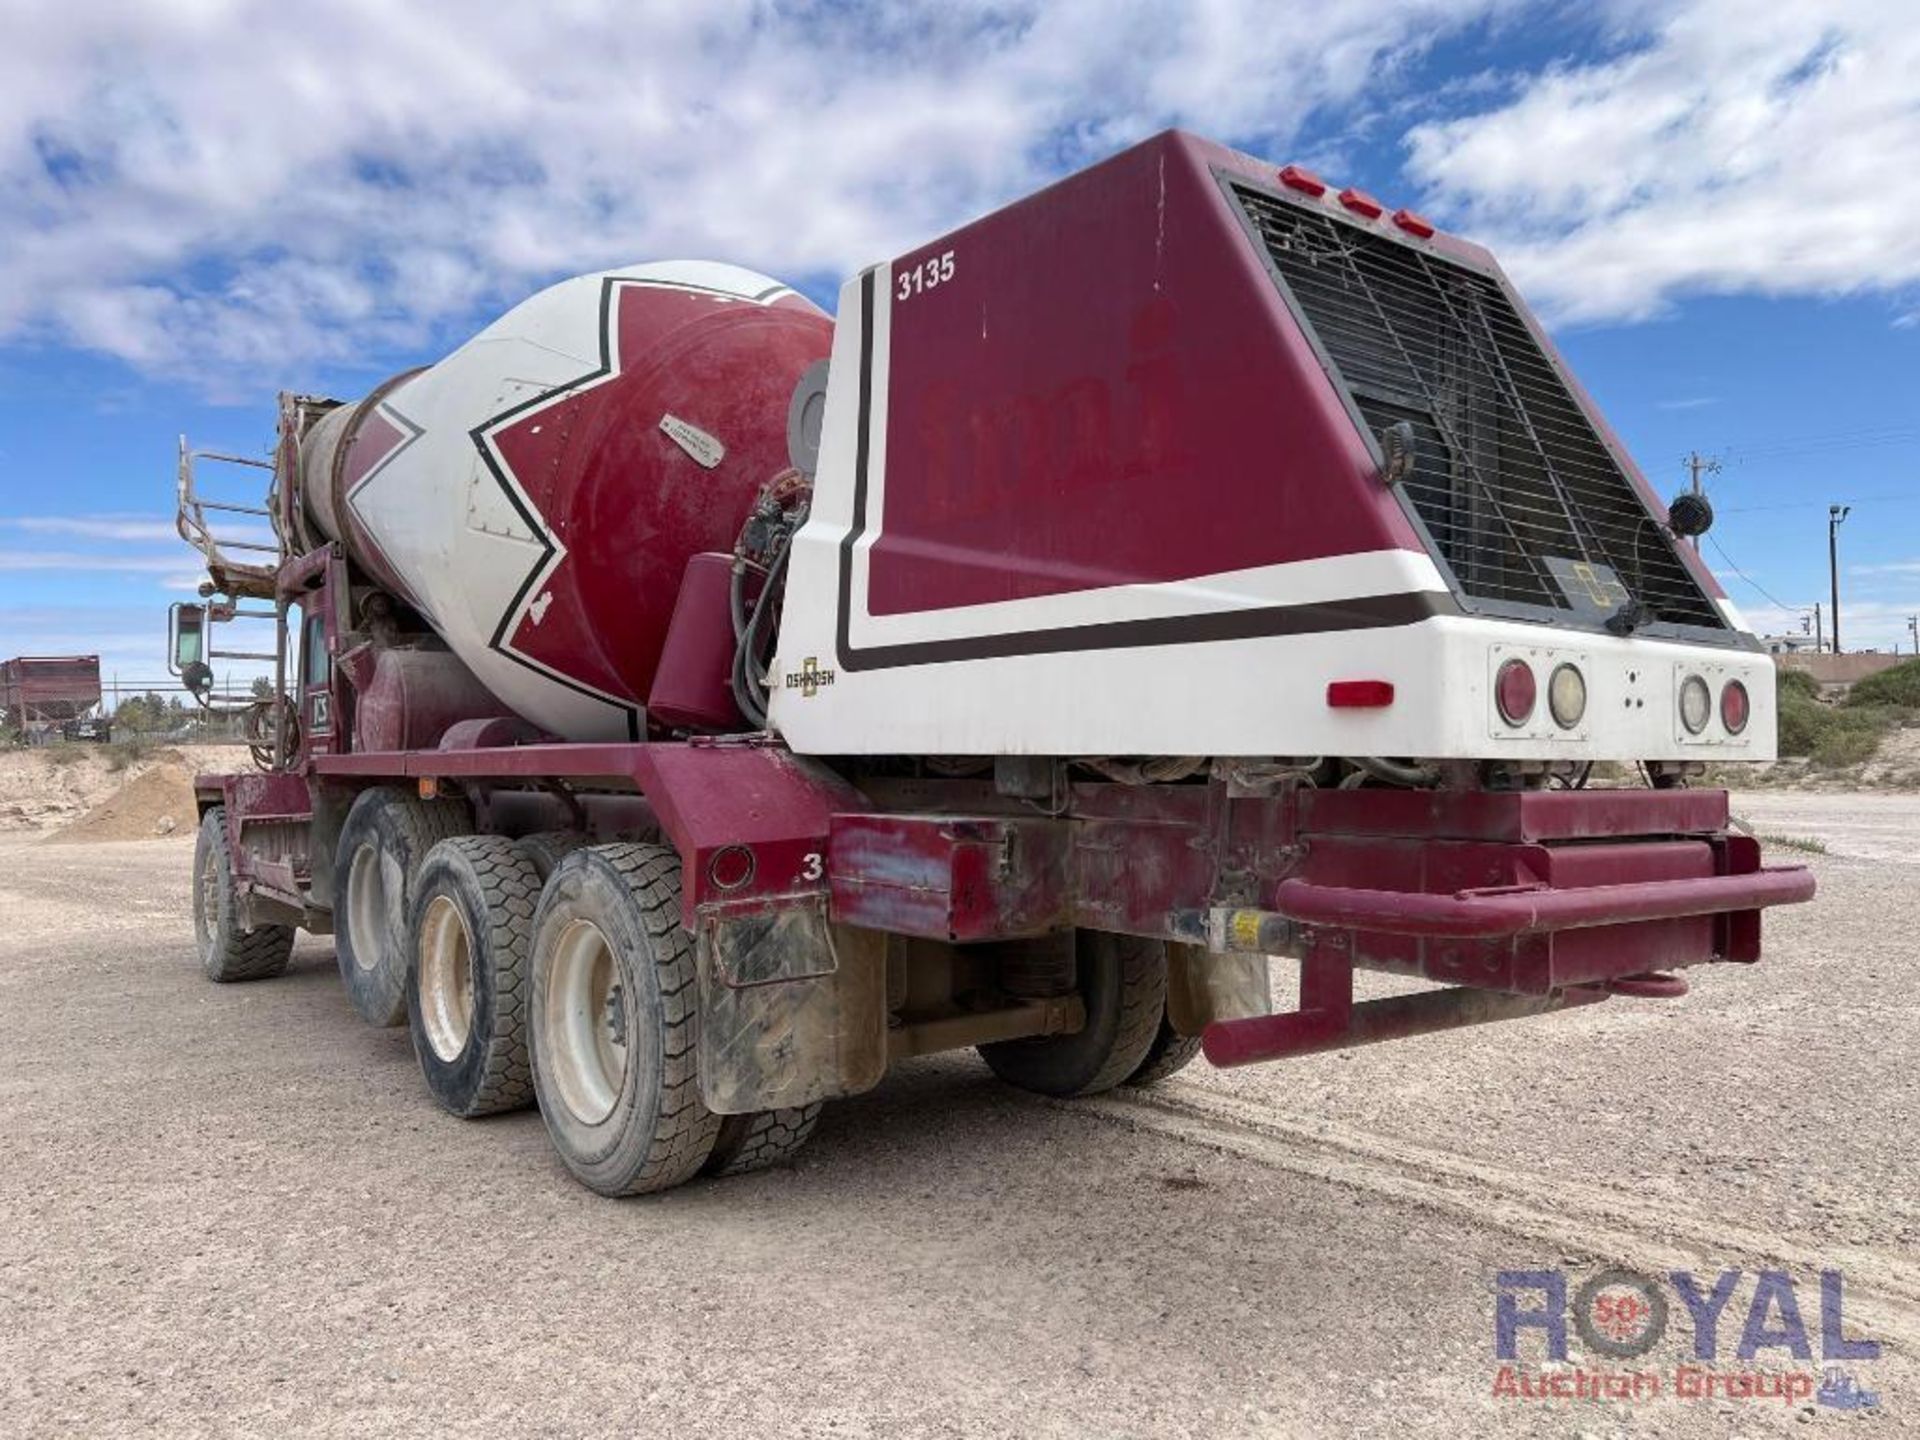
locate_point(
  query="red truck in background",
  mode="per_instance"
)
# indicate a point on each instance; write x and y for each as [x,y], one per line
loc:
[42,696]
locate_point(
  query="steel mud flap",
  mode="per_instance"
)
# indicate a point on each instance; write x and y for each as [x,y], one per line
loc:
[793,1008]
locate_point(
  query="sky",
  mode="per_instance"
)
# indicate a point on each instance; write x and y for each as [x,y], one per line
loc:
[1714,204]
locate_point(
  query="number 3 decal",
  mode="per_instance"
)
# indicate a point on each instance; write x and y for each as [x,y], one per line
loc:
[812,867]
[927,275]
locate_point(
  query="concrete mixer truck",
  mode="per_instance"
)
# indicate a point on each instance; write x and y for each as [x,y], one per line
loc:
[689,704]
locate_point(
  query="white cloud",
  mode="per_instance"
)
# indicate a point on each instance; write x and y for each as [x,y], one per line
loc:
[241,189]
[1898,567]
[94,527]
[1864,624]
[82,563]
[1730,147]
[138,528]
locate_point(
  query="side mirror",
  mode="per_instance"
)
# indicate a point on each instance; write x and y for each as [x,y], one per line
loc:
[186,636]
[187,648]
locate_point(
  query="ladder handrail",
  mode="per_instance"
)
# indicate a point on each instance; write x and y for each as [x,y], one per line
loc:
[229,575]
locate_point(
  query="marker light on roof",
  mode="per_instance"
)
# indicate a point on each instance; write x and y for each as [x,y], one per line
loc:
[1362,203]
[1298,177]
[1414,224]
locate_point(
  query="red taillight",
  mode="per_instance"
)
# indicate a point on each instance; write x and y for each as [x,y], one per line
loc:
[1362,203]
[1515,691]
[1735,707]
[1414,224]
[1298,177]
[1359,694]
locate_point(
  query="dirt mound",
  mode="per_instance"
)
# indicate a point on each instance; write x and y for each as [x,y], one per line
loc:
[45,787]
[155,803]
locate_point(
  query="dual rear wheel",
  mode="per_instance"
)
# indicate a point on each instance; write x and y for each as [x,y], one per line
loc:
[1127,1038]
[383,846]
[552,972]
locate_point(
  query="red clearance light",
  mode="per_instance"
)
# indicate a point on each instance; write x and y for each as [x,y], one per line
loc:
[1735,707]
[1414,224]
[1296,177]
[731,867]
[1362,203]
[1360,694]
[1515,690]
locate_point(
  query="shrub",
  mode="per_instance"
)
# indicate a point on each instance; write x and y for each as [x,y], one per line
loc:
[1898,686]
[1846,745]
[1829,736]
[1803,720]
[1796,682]
[122,753]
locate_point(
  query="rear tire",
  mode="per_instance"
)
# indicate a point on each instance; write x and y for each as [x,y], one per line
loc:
[761,1140]
[1122,980]
[467,991]
[385,839]
[227,953]
[615,1022]
[1169,1054]
[547,849]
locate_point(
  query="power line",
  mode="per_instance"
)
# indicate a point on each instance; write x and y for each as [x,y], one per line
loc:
[1908,498]
[1865,438]
[1720,550]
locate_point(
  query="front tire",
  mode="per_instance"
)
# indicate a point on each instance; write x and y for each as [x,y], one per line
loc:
[385,839]
[1122,980]
[467,991]
[615,1022]
[228,953]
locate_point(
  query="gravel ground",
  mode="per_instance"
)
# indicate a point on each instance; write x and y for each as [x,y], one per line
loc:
[235,1211]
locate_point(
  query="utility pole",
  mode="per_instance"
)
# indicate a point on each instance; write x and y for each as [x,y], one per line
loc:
[1698,465]
[1819,635]
[1913,629]
[1835,514]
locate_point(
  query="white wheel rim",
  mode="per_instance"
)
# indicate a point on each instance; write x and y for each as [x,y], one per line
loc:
[210,898]
[586,1023]
[446,978]
[367,890]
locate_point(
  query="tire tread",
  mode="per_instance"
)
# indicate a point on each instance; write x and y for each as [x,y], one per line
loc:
[685,1130]
[509,885]
[1169,1054]
[762,1140]
[235,955]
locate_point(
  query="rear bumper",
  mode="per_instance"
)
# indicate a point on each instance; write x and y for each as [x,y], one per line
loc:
[1528,892]
[1502,913]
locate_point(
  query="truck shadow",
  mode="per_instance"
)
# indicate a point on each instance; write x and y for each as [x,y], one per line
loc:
[945,1189]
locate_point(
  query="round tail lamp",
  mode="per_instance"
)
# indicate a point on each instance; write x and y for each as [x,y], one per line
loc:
[1515,691]
[1696,704]
[1736,707]
[1567,696]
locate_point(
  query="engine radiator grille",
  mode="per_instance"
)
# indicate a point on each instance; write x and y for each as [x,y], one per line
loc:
[1518,492]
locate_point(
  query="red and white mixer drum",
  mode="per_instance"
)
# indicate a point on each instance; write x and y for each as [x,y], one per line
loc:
[537,494]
